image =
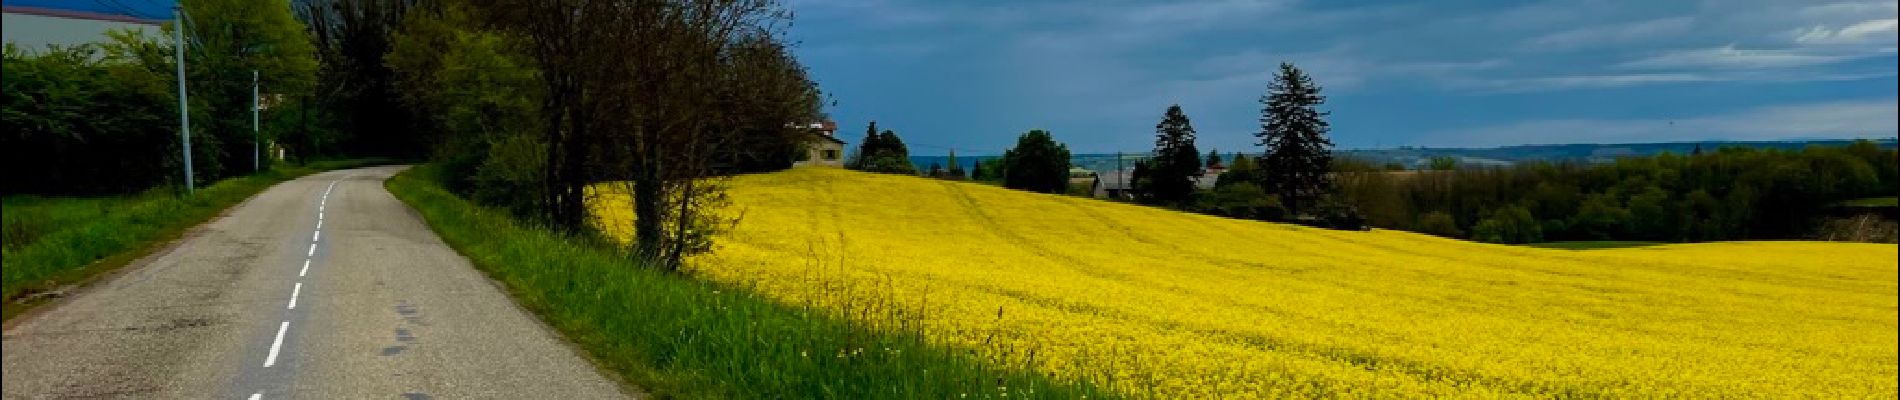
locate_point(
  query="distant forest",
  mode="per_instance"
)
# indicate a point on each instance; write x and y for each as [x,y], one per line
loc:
[1730,193]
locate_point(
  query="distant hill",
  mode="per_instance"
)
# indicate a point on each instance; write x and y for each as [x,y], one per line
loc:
[1418,156]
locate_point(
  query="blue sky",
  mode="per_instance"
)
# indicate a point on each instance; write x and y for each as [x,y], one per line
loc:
[972,75]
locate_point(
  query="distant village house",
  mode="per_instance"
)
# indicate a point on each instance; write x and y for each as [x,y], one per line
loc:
[824,148]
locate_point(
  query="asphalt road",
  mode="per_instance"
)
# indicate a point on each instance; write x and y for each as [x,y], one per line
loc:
[325,287]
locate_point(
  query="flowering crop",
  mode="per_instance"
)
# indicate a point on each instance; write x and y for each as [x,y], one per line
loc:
[1156,303]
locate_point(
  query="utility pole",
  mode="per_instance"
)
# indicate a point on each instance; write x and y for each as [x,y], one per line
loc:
[184,114]
[255,136]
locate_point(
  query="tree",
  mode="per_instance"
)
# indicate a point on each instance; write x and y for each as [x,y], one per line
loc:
[935,171]
[1443,163]
[1439,223]
[1176,162]
[871,144]
[1293,131]
[352,37]
[659,117]
[1037,164]
[1213,159]
[1240,200]
[977,171]
[955,171]
[882,151]
[1510,225]
[233,38]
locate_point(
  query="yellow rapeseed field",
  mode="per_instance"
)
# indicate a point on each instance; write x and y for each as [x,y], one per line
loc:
[1164,304]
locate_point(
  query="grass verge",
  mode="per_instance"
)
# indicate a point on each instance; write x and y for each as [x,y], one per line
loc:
[1873,202]
[678,337]
[1591,245]
[51,243]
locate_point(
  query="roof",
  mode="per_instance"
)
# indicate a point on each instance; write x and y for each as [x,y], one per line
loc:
[1207,179]
[822,135]
[1121,180]
[151,12]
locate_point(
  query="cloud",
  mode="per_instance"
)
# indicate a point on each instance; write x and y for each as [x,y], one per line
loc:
[1189,12]
[1732,57]
[1600,81]
[1609,34]
[1843,119]
[1875,31]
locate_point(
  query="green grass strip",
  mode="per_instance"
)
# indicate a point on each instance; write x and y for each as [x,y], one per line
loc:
[1873,202]
[678,337]
[55,242]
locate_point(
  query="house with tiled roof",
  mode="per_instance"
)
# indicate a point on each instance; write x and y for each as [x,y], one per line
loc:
[823,148]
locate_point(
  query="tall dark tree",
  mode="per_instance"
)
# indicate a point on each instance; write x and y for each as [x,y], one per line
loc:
[352,37]
[1293,131]
[882,151]
[866,146]
[1213,159]
[1176,162]
[1037,164]
[976,171]
[955,171]
[1138,179]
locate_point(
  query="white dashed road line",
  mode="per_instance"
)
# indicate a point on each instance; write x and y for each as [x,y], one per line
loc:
[277,344]
[294,290]
[316,236]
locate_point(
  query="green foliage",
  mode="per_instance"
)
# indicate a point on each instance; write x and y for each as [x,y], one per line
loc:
[1176,163]
[1443,163]
[682,338]
[1511,225]
[1239,200]
[358,90]
[1037,164]
[883,151]
[102,118]
[231,39]
[1293,131]
[1439,223]
[477,100]
[1721,194]
[79,121]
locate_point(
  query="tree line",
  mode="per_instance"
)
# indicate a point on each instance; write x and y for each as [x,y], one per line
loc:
[1725,194]
[1289,181]
[532,105]
[539,105]
[102,118]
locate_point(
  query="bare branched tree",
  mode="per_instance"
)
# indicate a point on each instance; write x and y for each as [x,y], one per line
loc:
[656,95]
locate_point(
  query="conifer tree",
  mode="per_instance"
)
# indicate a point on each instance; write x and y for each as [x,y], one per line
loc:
[866,148]
[956,171]
[1176,162]
[1293,131]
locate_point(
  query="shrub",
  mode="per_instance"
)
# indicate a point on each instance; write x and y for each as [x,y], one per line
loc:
[1509,225]
[1439,223]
